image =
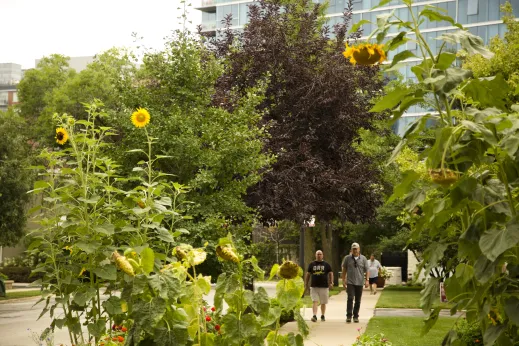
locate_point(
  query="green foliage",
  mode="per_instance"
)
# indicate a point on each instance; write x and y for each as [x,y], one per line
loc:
[15,178]
[466,207]
[469,334]
[92,225]
[505,60]
[371,340]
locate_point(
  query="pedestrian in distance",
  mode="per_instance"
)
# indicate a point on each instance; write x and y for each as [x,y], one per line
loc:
[355,275]
[320,276]
[374,268]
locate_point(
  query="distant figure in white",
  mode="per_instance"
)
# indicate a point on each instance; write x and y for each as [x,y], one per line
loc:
[374,268]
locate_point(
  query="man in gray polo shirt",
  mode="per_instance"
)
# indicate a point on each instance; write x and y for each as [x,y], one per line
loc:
[355,275]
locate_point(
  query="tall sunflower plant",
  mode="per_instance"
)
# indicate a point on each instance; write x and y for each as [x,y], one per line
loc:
[468,201]
[112,261]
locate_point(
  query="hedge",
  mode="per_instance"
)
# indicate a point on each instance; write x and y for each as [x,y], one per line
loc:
[20,274]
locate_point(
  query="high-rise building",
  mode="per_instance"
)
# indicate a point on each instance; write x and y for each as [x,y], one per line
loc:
[480,17]
[10,76]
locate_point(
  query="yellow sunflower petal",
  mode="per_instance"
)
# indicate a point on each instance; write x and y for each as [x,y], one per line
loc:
[61,135]
[141,117]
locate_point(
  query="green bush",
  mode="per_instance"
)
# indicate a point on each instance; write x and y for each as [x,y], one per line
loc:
[371,340]
[469,332]
[20,274]
[3,277]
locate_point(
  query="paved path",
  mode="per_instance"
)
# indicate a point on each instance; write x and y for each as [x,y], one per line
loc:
[335,331]
[411,313]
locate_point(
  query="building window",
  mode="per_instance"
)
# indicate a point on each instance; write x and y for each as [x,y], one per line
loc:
[472,7]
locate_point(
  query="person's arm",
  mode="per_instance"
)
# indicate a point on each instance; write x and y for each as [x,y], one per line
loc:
[330,277]
[343,275]
[366,267]
[307,278]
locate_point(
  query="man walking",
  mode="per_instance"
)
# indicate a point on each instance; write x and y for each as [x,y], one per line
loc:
[374,267]
[322,280]
[355,274]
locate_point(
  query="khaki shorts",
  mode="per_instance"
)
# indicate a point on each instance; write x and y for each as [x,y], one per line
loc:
[319,294]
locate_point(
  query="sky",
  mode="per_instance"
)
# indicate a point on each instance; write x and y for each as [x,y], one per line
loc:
[32,29]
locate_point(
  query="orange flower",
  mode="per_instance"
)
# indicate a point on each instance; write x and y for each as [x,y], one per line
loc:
[120,338]
[365,54]
[124,329]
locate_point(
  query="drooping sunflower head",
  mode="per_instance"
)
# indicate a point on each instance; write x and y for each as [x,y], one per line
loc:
[61,135]
[141,117]
[365,54]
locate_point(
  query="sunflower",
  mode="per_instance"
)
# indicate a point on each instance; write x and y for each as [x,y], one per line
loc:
[140,117]
[365,54]
[61,135]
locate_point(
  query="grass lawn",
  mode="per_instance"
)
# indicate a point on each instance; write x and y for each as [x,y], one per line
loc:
[403,298]
[20,294]
[405,331]
[308,301]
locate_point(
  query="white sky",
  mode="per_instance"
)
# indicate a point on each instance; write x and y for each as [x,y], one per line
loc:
[31,29]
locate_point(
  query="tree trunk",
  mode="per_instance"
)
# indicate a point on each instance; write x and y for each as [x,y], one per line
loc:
[326,239]
[309,247]
[336,257]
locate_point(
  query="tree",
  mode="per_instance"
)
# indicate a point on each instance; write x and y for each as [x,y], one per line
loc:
[506,55]
[315,103]
[35,92]
[15,177]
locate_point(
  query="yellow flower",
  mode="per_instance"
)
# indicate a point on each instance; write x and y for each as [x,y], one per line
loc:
[365,54]
[83,270]
[61,135]
[140,117]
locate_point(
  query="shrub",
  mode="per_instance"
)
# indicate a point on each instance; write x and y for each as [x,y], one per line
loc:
[371,340]
[469,332]
[3,277]
[364,339]
[20,274]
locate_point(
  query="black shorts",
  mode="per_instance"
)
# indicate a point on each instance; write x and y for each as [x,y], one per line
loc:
[373,280]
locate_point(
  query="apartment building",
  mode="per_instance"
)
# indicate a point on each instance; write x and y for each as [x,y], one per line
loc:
[480,17]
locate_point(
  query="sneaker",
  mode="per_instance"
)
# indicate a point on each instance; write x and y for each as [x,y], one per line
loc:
[314,318]
[356,319]
[322,318]
[348,320]
[375,292]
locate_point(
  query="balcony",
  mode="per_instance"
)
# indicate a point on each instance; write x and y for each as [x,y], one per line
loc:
[206,5]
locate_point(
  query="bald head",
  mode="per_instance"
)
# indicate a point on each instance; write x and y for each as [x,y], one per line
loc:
[319,255]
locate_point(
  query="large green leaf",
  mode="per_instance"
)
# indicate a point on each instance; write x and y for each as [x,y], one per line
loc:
[433,253]
[390,100]
[397,41]
[435,16]
[489,92]
[381,3]
[430,321]
[107,272]
[497,240]
[464,273]
[492,333]
[147,260]
[512,309]
[98,328]
[113,305]
[429,294]
[454,76]
[484,269]
[471,43]
[445,60]
[408,179]
[402,56]
[261,302]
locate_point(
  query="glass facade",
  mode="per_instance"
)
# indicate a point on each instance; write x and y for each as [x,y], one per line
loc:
[480,17]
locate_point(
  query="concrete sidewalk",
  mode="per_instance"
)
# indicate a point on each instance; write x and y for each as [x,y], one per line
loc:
[335,331]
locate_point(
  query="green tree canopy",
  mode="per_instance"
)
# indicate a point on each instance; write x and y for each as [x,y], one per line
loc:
[15,178]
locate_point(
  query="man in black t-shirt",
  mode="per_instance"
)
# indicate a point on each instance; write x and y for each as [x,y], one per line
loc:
[322,280]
